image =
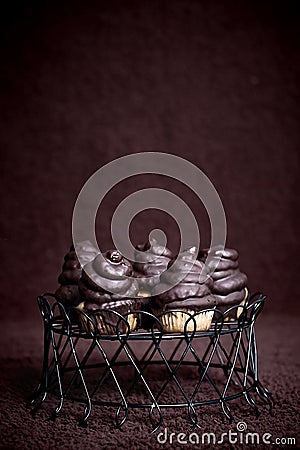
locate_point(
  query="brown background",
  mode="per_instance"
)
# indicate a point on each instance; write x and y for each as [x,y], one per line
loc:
[81,86]
[82,83]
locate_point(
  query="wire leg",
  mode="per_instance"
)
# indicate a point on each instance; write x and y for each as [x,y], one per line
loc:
[58,373]
[42,388]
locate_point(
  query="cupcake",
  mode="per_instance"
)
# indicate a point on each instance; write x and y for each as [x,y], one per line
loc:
[68,292]
[183,287]
[153,260]
[107,284]
[229,283]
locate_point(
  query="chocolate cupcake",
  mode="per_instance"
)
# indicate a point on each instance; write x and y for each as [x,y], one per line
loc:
[68,292]
[153,261]
[107,284]
[190,293]
[229,283]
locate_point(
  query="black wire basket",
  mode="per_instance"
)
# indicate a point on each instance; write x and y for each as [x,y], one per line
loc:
[84,364]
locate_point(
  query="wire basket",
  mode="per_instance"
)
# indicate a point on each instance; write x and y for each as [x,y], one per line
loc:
[117,367]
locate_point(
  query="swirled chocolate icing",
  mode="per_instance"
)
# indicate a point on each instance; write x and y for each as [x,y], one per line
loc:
[229,282]
[107,279]
[153,261]
[190,288]
[68,292]
[71,270]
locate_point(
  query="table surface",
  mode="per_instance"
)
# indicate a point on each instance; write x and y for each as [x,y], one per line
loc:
[20,362]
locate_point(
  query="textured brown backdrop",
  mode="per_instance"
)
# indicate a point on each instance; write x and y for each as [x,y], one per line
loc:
[82,83]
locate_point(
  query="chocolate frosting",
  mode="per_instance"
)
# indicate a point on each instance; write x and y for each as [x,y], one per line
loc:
[204,302]
[233,298]
[186,272]
[86,252]
[108,273]
[68,292]
[223,264]
[113,267]
[155,260]
[71,255]
[71,264]
[71,270]
[228,253]
[190,287]
[93,306]
[154,248]
[186,269]
[232,283]
[228,282]
[182,290]
[88,294]
[146,283]
[153,268]
[69,276]
[100,283]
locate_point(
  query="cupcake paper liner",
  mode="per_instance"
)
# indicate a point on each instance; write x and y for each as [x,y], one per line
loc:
[174,321]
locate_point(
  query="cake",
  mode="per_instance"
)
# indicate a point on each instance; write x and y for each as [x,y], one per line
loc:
[108,290]
[173,289]
[229,283]
[183,287]
[68,292]
[153,259]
